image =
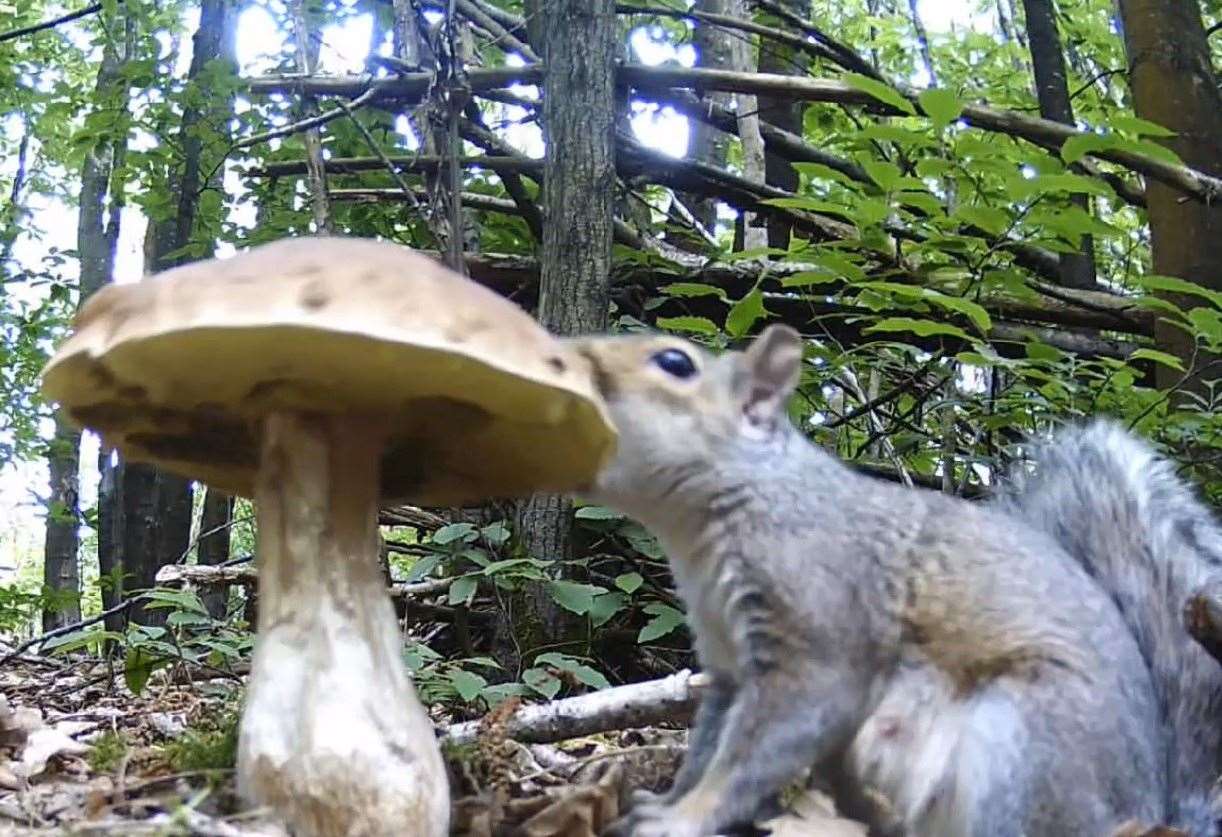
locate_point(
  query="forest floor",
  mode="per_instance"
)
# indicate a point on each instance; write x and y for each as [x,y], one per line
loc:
[80,754]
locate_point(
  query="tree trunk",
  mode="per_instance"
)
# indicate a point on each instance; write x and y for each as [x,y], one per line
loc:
[1052,89]
[214,545]
[753,230]
[157,505]
[578,196]
[1173,84]
[61,570]
[97,233]
[714,51]
[307,55]
[784,113]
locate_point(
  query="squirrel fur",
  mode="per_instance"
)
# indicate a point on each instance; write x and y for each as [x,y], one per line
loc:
[1015,667]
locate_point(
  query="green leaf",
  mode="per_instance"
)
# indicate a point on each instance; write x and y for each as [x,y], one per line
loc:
[161,597]
[629,582]
[462,590]
[496,533]
[542,681]
[881,91]
[1158,357]
[453,532]
[973,311]
[1042,351]
[423,566]
[808,277]
[692,289]
[665,619]
[606,606]
[597,513]
[138,667]
[922,328]
[992,221]
[1175,284]
[838,263]
[818,171]
[1077,147]
[468,684]
[745,312]
[885,174]
[570,595]
[1024,187]
[699,325]
[1140,127]
[940,105]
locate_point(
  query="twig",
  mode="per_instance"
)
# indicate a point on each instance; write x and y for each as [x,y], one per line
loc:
[67,629]
[51,24]
[312,121]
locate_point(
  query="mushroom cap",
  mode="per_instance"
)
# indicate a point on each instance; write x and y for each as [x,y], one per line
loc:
[177,371]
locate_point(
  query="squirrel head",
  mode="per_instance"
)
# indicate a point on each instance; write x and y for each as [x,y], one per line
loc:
[682,412]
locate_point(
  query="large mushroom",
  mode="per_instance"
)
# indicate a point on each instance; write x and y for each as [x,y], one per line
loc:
[323,376]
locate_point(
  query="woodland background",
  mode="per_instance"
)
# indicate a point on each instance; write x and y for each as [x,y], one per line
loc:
[987,216]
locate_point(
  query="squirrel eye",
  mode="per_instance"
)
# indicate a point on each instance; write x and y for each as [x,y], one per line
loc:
[675,362]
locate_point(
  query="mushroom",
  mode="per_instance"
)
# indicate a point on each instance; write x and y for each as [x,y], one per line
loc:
[323,376]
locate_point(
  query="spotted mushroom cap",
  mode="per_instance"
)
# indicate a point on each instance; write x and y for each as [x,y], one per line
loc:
[177,370]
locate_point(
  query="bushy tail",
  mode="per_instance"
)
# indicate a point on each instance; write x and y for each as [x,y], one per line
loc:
[1120,509]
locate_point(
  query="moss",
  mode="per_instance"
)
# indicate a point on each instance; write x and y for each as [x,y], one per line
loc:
[107,752]
[211,745]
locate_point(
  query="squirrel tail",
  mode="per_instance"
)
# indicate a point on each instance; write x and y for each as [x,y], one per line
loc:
[1120,510]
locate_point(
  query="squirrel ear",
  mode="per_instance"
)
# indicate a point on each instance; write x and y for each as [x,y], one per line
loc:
[768,372]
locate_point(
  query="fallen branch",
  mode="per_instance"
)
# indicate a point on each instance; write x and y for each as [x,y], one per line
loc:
[207,575]
[1043,132]
[415,163]
[668,700]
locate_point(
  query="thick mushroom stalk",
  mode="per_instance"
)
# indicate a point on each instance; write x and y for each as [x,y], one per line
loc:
[333,736]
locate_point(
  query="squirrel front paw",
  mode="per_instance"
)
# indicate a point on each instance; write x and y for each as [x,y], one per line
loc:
[655,819]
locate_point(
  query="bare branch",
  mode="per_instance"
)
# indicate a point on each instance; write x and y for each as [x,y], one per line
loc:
[13,34]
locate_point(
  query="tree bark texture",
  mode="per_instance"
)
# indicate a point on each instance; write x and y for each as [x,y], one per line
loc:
[97,234]
[307,55]
[1052,89]
[714,51]
[784,113]
[214,544]
[1173,84]
[157,505]
[61,566]
[578,198]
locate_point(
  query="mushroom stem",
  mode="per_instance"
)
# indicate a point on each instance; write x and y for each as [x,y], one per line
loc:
[333,737]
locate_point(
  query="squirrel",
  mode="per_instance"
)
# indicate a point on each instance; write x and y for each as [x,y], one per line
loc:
[1011,667]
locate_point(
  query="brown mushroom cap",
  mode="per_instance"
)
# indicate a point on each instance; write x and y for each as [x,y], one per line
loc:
[177,370]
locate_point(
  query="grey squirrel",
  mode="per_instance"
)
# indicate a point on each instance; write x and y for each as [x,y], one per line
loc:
[1014,667]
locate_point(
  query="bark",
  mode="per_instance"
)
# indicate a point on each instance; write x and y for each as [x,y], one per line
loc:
[918,26]
[157,505]
[306,55]
[1173,84]
[214,544]
[784,113]
[668,700]
[1052,88]
[580,49]
[97,234]
[754,231]
[715,51]
[61,563]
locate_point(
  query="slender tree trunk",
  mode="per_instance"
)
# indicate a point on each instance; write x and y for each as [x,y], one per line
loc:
[157,505]
[784,113]
[714,51]
[922,36]
[1173,84]
[214,545]
[1052,88]
[578,194]
[307,56]
[98,222]
[61,561]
